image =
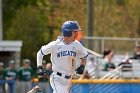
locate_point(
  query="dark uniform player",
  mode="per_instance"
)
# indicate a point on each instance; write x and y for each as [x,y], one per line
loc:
[25,76]
[10,73]
[1,77]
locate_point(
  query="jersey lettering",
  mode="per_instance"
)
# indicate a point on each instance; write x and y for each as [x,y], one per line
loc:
[26,73]
[11,73]
[66,53]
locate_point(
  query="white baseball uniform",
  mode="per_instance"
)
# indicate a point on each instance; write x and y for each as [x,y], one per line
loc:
[62,57]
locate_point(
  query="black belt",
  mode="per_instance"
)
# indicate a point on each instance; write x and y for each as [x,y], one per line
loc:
[60,74]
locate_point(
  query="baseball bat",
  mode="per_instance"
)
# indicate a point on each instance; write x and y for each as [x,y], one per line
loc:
[70,80]
[92,52]
[69,83]
[74,76]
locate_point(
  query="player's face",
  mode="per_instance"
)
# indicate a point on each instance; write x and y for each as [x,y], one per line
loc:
[74,34]
[26,64]
[43,66]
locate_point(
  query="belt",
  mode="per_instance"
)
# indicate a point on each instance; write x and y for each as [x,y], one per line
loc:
[65,76]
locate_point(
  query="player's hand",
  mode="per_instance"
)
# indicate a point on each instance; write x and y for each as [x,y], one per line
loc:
[46,72]
[35,90]
[80,69]
[40,71]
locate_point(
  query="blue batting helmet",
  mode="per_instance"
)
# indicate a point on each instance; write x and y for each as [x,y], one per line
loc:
[70,26]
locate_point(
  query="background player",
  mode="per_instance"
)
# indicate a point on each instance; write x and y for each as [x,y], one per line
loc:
[25,76]
[64,53]
[10,73]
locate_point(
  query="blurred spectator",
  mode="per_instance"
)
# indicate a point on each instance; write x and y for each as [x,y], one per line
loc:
[85,75]
[1,77]
[25,76]
[44,80]
[91,65]
[126,65]
[10,73]
[136,53]
[49,67]
[106,51]
[108,65]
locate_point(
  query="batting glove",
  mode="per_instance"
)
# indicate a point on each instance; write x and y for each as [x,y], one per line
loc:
[80,69]
[40,71]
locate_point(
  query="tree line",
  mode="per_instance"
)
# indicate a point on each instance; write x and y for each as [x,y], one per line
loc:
[37,22]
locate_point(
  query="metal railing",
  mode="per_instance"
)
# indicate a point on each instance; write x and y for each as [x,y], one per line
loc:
[99,73]
[116,43]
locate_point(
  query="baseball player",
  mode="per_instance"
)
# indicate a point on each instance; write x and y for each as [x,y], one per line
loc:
[10,73]
[25,76]
[64,53]
[1,77]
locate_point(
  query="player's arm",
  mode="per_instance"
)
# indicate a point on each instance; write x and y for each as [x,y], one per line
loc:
[47,49]
[82,53]
[39,63]
[39,58]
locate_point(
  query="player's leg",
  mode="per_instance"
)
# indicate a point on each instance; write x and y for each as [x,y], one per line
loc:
[47,89]
[44,87]
[28,85]
[58,84]
[17,87]
[22,87]
[41,85]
